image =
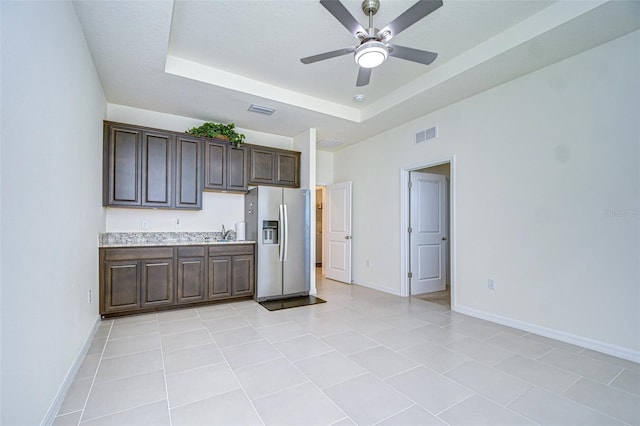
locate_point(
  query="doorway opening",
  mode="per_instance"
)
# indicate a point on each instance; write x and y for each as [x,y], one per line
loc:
[427,252]
[319,225]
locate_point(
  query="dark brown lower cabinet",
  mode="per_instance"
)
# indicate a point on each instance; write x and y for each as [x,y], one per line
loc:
[219,277]
[157,282]
[121,286]
[134,280]
[231,271]
[191,273]
[242,267]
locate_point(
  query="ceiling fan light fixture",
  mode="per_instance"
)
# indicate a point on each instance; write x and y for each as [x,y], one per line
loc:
[371,53]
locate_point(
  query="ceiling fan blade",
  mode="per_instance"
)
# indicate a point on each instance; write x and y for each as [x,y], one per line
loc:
[341,13]
[410,16]
[364,75]
[414,55]
[327,55]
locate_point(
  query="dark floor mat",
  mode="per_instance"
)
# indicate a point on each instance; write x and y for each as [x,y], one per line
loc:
[294,302]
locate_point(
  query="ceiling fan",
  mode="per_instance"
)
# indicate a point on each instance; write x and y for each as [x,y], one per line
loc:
[374,47]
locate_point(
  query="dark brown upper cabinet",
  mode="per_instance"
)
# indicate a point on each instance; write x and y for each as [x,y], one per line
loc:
[237,169]
[151,168]
[188,173]
[275,167]
[225,167]
[122,166]
[156,169]
[215,158]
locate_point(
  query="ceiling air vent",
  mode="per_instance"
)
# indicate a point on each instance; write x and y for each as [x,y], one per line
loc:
[328,143]
[261,109]
[427,134]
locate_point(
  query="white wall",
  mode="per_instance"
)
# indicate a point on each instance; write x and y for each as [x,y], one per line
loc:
[217,208]
[52,111]
[547,191]
[324,168]
[306,144]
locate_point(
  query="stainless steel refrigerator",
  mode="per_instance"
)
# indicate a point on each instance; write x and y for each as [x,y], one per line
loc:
[278,220]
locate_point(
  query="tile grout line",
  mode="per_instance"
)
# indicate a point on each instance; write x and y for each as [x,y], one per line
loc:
[311,381]
[255,410]
[164,379]
[616,376]
[594,409]
[95,374]
[120,411]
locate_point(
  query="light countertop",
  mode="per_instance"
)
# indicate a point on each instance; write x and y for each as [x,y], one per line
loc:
[159,239]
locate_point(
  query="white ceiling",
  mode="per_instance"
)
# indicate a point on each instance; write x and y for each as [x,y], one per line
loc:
[211,59]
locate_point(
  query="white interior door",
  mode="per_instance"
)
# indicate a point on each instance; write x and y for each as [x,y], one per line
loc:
[428,222]
[338,232]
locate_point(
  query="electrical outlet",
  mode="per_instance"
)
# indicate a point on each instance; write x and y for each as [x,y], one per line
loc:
[178,223]
[491,284]
[368,263]
[144,224]
[89,296]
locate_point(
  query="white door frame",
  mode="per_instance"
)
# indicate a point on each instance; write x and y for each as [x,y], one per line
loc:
[405,260]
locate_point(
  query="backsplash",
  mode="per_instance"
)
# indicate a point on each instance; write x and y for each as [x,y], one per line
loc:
[160,238]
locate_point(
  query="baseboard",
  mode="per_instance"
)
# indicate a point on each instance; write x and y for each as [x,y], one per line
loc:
[375,287]
[585,342]
[66,383]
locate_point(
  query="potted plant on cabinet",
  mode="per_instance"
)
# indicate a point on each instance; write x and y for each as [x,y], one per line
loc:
[220,131]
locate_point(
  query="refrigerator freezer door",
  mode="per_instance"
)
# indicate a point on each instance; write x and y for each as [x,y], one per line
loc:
[269,267]
[296,266]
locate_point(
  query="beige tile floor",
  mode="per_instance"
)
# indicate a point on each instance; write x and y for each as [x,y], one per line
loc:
[364,357]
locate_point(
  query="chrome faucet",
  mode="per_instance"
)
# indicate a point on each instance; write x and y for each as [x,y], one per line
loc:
[227,235]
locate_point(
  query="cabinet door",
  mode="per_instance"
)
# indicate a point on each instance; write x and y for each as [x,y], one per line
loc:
[242,275]
[262,166]
[191,285]
[121,286]
[288,166]
[219,277]
[122,172]
[237,169]
[215,165]
[188,173]
[156,169]
[157,282]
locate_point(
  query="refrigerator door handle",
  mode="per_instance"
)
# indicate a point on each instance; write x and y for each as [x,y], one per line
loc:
[286,231]
[280,233]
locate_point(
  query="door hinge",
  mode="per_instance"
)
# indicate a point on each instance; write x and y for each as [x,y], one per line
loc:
[410,184]
[410,230]
[410,275]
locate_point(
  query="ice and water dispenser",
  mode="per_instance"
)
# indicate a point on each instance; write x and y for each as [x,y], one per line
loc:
[269,232]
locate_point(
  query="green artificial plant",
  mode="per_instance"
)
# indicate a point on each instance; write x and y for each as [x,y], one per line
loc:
[219,130]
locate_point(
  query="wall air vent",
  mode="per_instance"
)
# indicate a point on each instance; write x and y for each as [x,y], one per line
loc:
[261,109]
[328,143]
[427,134]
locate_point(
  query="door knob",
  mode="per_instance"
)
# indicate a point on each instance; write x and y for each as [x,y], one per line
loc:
[347,237]
[445,238]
